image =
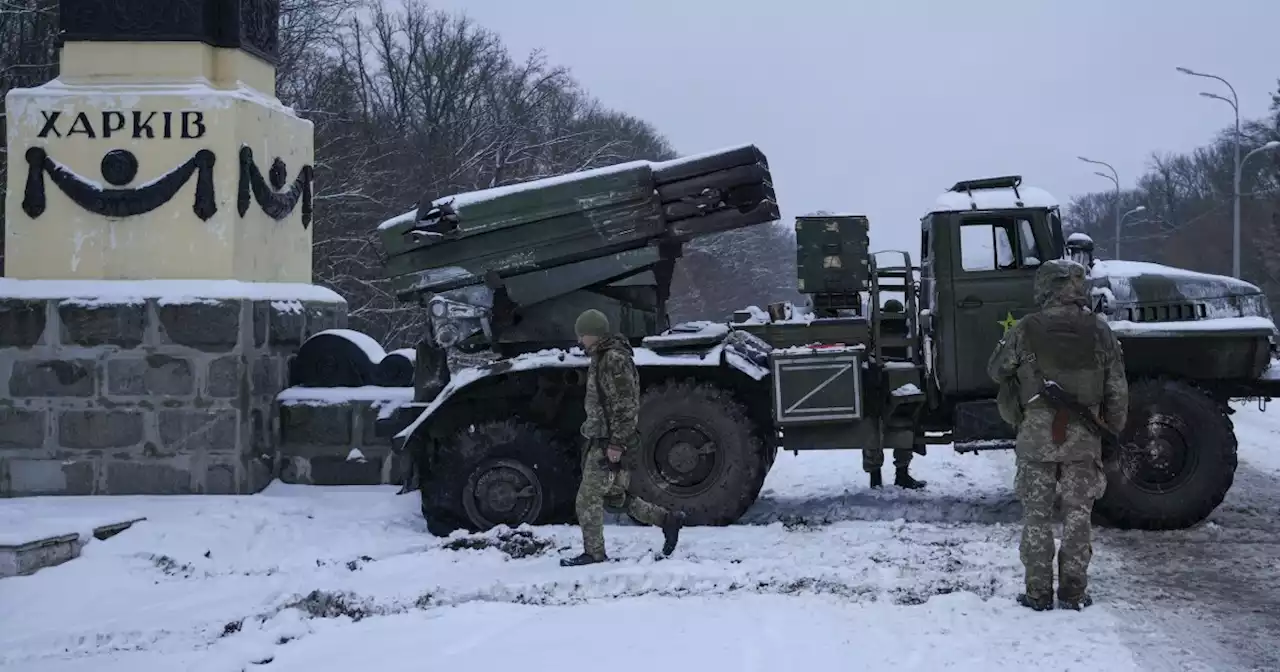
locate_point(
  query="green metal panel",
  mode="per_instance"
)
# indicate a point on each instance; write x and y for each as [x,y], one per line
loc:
[690,167]
[486,211]
[574,237]
[544,284]
[846,330]
[832,254]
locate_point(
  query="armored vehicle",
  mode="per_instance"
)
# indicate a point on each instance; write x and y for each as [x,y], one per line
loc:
[887,354]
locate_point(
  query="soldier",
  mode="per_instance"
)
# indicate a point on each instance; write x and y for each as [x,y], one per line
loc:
[612,405]
[1057,454]
[873,458]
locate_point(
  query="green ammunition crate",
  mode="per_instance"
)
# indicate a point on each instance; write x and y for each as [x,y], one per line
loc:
[832,254]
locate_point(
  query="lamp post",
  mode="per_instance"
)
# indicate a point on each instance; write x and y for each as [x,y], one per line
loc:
[1140,208]
[1234,102]
[1270,145]
[1114,177]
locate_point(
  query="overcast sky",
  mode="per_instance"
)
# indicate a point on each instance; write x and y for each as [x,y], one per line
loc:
[876,106]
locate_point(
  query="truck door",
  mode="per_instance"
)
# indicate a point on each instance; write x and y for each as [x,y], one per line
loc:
[995,256]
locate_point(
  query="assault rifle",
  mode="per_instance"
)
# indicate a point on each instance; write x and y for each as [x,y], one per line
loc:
[1062,400]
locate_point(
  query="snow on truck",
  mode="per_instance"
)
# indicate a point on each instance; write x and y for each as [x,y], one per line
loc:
[492,433]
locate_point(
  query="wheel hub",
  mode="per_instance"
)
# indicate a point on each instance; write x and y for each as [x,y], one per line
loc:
[1164,459]
[685,457]
[503,492]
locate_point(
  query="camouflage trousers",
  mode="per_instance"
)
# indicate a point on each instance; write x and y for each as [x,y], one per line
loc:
[1076,485]
[603,487]
[873,458]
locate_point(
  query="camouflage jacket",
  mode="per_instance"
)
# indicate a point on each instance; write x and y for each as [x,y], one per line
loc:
[613,393]
[1062,325]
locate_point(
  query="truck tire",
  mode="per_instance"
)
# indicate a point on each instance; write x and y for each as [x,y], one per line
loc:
[1186,462]
[498,473]
[699,453]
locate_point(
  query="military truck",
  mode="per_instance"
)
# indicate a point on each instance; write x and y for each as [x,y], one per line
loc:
[493,432]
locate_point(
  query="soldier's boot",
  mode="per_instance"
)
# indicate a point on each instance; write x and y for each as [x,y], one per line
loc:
[876,479]
[1075,603]
[582,559]
[1073,595]
[904,480]
[671,531]
[1036,603]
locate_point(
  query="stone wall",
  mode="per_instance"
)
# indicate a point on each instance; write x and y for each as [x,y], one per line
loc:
[146,397]
[331,436]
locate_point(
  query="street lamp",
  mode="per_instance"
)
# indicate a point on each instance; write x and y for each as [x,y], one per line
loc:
[1114,177]
[1234,102]
[1140,208]
[1270,145]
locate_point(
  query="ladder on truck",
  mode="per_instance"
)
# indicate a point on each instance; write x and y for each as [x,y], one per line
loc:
[893,334]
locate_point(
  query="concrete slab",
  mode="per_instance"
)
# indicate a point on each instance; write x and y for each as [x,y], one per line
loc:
[20,559]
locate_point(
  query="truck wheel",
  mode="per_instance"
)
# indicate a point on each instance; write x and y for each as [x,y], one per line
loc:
[499,473]
[1185,463]
[699,453]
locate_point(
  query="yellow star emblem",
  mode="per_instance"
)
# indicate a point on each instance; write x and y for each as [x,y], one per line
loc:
[1007,322]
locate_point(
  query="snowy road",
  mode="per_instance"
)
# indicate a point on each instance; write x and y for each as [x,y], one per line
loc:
[827,573]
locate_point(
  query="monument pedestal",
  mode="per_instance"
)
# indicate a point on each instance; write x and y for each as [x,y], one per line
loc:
[147,387]
[158,254]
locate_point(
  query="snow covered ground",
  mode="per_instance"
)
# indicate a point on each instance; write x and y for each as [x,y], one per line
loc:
[823,572]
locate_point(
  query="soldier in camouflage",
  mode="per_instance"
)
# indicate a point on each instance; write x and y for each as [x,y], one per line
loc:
[873,458]
[1058,456]
[609,432]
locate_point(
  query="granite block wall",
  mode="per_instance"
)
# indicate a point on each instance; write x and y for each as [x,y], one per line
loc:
[330,436]
[148,396]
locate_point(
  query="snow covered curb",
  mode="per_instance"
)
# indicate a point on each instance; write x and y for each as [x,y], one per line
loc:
[33,544]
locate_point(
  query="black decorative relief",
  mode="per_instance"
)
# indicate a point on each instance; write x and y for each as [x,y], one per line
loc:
[271,197]
[119,167]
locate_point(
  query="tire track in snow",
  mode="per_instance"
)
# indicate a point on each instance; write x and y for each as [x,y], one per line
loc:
[1214,590]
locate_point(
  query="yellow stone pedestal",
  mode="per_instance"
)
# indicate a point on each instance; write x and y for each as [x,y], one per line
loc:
[158,160]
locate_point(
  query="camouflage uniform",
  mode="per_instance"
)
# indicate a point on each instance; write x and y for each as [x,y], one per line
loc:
[873,460]
[1057,455]
[612,409]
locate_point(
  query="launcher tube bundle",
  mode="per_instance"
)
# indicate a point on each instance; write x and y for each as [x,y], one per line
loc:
[484,237]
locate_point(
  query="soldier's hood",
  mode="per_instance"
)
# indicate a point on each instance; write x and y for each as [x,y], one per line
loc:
[612,343]
[1061,282]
